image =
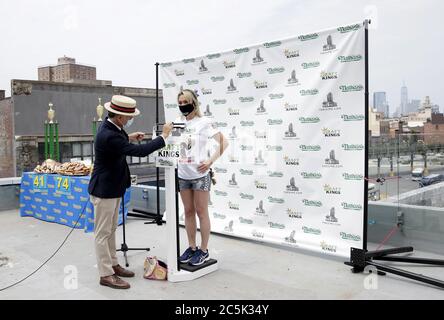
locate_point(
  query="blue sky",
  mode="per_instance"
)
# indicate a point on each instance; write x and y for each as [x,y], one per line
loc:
[124,39]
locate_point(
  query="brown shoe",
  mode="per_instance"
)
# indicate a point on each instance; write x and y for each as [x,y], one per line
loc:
[114,282]
[122,272]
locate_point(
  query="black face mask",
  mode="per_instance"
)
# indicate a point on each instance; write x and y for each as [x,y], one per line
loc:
[186,109]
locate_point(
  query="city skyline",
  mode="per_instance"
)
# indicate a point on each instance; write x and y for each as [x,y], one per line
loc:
[399,51]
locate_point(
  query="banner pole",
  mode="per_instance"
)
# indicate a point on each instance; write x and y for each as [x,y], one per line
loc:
[367,104]
[157,121]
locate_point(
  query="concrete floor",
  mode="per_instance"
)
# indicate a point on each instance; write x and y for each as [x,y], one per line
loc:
[247,269]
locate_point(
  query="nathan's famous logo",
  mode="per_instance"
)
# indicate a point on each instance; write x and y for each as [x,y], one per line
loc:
[169,84]
[246,172]
[220,193]
[328,75]
[192,82]
[305,147]
[311,175]
[311,230]
[246,99]
[241,75]
[246,196]
[219,101]
[167,64]
[308,65]
[274,96]
[352,27]
[241,50]
[171,105]
[352,117]
[275,200]
[293,214]
[218,78]
[331,190]
[309,92]
[247,123]
[233,112]
[306,37]
[260,84]
[272,122]
[352,176]
[272,44]
[169,151]
[350,236]
[244,147]
[309,119]
[289,53]
[312,203]
[179,72]
[257,234]
[275,174]
[188,60]
[233,159]
[273,148]
[260,134]
[260,185]
[275,70]
[351,87]
[328,247]
[352,147]
[276,225]
[291,161]
[245,221]
[220,170]
[290,107]
[350,58]
[229,64]
[233,206]
[219,216]
[206,91]
[351,206]
[213,56]
[331,132]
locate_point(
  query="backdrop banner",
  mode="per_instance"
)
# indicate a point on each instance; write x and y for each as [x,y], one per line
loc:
[294,114]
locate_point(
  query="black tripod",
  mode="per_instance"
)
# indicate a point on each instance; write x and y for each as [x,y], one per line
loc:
[124,248]
[360,258]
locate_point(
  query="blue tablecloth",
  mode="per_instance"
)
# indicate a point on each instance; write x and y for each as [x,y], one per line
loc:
[60,199]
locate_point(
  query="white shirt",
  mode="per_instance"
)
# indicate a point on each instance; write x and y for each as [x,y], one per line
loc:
[193,146]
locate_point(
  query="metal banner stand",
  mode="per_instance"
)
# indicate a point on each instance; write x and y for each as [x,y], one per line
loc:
[361,258]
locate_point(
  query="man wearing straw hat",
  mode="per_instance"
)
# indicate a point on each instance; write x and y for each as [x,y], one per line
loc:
[110,179]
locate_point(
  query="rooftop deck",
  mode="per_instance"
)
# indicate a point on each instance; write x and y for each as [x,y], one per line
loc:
[247,269]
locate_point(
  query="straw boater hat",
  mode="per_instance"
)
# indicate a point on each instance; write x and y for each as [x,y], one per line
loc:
[122,105]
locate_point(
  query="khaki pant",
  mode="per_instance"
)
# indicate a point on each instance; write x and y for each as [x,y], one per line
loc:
[106,213]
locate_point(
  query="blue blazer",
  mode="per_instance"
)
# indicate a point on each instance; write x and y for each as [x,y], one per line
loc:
[111,176]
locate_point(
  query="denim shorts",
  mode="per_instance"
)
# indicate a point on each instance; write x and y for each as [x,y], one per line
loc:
[200,184]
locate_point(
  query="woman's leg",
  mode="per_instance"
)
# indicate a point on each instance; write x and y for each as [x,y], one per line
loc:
[201,205]
[190,216]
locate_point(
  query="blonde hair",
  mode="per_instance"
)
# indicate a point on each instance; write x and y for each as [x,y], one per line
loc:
[191,97]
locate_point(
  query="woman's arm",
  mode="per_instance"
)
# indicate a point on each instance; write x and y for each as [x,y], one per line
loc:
[223,145]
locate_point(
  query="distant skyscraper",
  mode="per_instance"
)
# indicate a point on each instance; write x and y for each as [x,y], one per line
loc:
[380,103]
[404,99]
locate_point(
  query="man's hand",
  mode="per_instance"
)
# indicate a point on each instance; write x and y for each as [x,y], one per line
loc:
[167,127]
[136,136]
[204,166]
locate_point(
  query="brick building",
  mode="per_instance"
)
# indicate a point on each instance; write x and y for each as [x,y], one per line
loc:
[68,71]
[434,130]
[75,108]
[7,163]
